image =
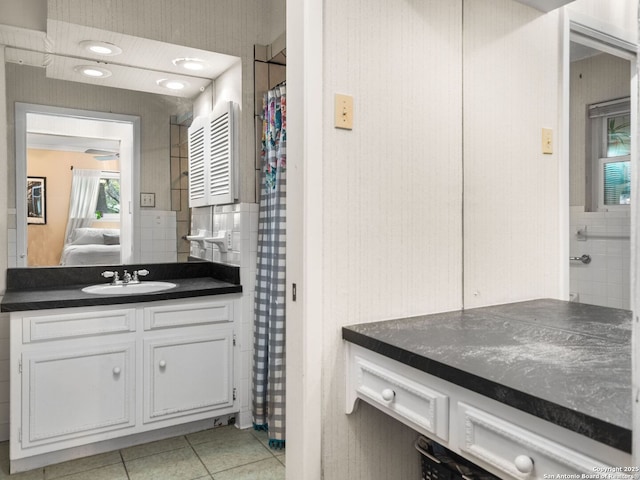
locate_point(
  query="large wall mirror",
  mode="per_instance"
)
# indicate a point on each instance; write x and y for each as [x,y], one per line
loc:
[601,76]
[89,102]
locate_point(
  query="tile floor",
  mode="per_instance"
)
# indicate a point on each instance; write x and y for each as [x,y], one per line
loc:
[223,453]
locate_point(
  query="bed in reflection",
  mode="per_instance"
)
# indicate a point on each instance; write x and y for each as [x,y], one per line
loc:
[92,246]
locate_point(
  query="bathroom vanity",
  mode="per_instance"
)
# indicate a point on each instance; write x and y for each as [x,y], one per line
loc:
[94,372]
[522,390]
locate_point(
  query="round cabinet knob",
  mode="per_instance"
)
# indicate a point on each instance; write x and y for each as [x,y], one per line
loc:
[116,370]
[388,394]
[524,464]
[162,364]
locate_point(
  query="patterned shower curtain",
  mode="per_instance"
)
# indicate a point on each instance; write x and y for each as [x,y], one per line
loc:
[269,302]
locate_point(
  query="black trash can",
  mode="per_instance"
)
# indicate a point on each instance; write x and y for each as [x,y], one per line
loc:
[438,463]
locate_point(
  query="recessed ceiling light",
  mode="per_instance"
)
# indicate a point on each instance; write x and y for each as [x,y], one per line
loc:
[92,71]
[101,48]
[193,64]
[172,84]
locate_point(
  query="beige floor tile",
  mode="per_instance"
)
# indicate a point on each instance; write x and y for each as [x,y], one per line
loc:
[282,458]
[153,448]
[223,454]
[261,435]
[180,464]
[81,465]
[270,469]
[110,472]
[228,432]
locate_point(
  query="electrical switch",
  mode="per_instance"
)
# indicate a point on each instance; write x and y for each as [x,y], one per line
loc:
[344,112]
[547,141]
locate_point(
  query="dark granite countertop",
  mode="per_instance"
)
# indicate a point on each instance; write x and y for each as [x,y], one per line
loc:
[567,363]
[56,287]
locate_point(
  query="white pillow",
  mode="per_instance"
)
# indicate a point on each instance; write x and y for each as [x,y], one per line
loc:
[89,236]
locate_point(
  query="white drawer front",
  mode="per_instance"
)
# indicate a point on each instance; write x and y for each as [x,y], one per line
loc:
[424,408]
[515,451]
[201,313]
[77,324]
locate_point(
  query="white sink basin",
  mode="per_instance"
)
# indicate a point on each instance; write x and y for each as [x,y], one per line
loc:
[128,288]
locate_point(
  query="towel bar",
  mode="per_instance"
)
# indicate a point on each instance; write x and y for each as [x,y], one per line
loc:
[586,259]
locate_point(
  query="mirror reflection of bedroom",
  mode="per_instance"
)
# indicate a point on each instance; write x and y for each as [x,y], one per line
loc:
[77,221]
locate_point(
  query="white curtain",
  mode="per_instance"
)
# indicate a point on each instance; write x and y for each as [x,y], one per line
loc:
[83,200]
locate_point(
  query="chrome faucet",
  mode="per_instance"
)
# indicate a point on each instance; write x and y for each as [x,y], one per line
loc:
[126,276]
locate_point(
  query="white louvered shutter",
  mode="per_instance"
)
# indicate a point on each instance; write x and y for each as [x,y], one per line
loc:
[213,159]
[220,166]
[197,163]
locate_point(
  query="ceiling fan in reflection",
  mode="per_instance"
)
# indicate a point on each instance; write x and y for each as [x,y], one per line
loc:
[103,154]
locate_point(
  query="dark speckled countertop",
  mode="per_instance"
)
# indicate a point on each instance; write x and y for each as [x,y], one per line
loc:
[568,363]
[61,287]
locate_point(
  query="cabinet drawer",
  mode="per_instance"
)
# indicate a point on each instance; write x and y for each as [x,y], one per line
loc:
[67,324]
[180,315]
[411,402]
[515,451]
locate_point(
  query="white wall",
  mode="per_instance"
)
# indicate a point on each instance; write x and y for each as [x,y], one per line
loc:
[511,190]
[30,14]
[392,201]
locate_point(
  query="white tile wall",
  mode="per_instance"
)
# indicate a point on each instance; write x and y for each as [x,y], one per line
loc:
[606,280]
[158,236]
[241,219]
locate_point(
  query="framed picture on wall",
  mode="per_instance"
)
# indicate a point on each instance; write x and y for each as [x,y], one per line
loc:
[37,200]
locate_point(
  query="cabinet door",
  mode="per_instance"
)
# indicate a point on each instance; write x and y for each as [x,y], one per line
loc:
[189,374]
[77,393]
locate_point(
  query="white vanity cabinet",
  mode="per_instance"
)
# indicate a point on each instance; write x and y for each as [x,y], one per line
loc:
[507,442]
[84,378]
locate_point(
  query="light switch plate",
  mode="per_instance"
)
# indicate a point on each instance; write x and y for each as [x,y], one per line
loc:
[147,199]
[344,112]
[547,141]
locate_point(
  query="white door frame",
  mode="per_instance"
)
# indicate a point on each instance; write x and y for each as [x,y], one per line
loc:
[304,239]
[129,179]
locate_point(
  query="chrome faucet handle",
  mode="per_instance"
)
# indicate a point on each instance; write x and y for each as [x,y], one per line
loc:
[141,273]
[126,277]
[113,275]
